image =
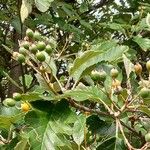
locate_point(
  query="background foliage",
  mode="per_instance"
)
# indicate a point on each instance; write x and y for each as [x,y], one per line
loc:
[68,107]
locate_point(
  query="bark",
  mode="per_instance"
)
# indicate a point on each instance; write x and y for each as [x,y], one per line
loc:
[15,71]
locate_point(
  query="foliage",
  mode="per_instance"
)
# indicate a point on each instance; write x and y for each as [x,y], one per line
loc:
[77,73]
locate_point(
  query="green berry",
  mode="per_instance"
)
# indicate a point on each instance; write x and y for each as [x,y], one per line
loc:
[144,93]
[40,56]
[22,50]
[26,44]
[147,137]
[98,75]
[17,96]
[37,36]
[10,102]
[148,65]
[21,58]
[114,73]
[48,49]
[29,33]
[33,48]
[102,75]
[41,45]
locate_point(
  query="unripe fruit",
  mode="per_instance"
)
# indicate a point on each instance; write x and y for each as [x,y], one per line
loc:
[138,68]
[22,50]
[102,75]
[40,56]
[95,75]
[33,48]
[10,102]
[25,44]
[48,49]
[25,107]
[114,73]
[21,58]
[37,35]
[98,75]
[41,45]
[147,137]
[17,96]
[29,33]
[144,93]
[148,65]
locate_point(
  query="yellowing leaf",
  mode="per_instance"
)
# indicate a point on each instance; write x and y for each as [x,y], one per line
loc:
[26,9]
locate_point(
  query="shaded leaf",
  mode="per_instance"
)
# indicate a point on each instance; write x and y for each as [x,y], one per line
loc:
[112,144]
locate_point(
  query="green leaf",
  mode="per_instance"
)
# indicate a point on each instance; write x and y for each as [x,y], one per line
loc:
[144,43]
[84,7]
[26,9]
[43,5]
[116,26]
[6,121]
[51,128]
[34,96]
[90,58]
[86,24]
[22,145]
[78,129]
[112,143]
[42,82]
[145,110]
[28,80]
[16,24]
[88,93]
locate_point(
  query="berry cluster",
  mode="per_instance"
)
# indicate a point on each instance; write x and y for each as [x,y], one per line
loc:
[145,91]
[11,102]
[34,43]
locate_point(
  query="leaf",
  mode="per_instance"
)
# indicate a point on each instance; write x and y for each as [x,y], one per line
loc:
[116,26]
[86,24]
[144,43]
[148,19]
[51,129]
[42,82]
[6,121]
[112,143]
[12,81]
[28,80]
[26,9]
[129,67]
[22,145]
[96,125]
[84,7]
[90,58]
[89,93]
[145,110]
[78,129]
[34,96]
[43,5]
[16,24]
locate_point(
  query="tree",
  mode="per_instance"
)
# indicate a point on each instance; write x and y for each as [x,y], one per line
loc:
[83,78]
